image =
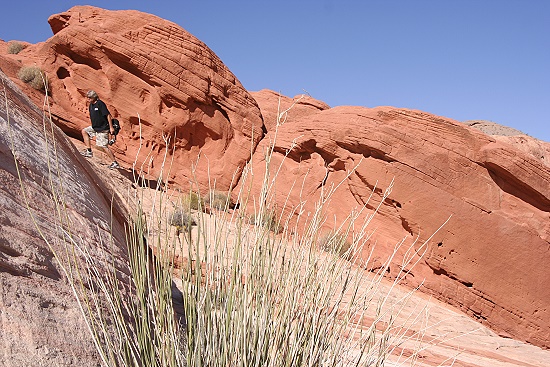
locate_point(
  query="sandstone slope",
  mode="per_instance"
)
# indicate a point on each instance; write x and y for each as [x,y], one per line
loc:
[41,323]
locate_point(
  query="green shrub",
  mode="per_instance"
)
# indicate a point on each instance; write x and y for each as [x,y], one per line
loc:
[33,76]
[218,200]
[192,201]
[15,47]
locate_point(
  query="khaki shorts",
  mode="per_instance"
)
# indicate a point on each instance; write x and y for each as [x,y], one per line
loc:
[101,138]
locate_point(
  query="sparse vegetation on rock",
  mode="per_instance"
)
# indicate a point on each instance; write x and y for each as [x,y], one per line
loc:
[192,201]
[182,220]
[15,47]
[34,76]
[268,219]
[335,242]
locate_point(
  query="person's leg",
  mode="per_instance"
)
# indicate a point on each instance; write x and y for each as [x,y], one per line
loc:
[86,138]
[112,158]
[102,142]
[109,154]
[87,134]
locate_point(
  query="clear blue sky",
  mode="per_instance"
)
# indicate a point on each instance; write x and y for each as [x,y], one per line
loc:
[463,59]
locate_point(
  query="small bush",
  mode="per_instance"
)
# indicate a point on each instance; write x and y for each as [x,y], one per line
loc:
[182,220]
[219,201]
[34,77]
[15,47]
[193,201]
[335,243]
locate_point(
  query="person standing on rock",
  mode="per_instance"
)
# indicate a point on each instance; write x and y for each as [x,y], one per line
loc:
[102,126]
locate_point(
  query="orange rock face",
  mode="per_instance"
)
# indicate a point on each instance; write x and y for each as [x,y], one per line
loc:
[273,105]
[171,93]
[490,259]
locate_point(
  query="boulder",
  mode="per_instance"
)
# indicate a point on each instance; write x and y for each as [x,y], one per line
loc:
[493,200]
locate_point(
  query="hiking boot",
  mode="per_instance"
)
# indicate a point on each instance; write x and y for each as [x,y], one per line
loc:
[114,165]
[87,153]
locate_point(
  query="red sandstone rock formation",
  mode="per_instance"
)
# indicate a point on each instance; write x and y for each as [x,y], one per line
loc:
[41,324]
[490,259]
[150,70]
[540,150]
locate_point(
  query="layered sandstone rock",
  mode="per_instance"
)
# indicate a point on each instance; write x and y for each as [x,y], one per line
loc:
[490,258]
[172,94]
[41,322]
[538,149]
[276,108]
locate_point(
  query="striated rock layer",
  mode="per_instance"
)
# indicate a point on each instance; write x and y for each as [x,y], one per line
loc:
[173,95]
[490,259]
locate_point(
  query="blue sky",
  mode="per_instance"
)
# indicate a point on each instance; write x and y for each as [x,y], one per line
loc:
[463,59]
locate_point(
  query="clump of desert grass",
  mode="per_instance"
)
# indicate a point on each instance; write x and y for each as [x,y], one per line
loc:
[15,47]
[254,292]
[34,77]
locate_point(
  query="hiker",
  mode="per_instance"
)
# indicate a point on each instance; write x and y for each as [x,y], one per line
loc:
[102,126]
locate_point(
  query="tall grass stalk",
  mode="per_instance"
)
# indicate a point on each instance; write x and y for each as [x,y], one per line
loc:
[250,296]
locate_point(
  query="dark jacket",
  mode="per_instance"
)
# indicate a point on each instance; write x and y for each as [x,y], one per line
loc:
[98,115]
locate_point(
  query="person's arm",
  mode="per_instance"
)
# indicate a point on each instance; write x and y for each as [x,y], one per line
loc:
[111,128]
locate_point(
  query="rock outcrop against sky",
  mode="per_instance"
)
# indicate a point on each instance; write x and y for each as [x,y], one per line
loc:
[171,93]
[491,257]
